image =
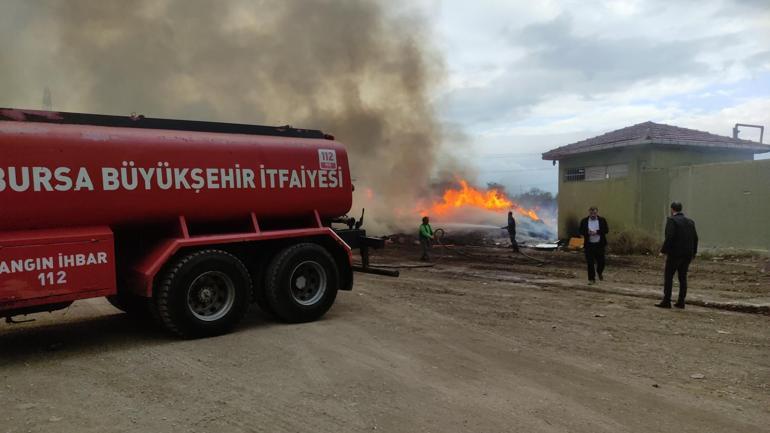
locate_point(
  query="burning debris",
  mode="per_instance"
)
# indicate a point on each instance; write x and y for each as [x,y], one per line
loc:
[474,216]
[529,234]
[468,197]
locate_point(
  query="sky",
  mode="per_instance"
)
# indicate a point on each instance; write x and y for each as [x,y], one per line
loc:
[523,77]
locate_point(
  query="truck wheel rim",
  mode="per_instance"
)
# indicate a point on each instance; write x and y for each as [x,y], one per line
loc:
[211,296]
[308,283]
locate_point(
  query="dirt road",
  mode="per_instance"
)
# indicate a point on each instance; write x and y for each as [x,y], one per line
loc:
[488,343]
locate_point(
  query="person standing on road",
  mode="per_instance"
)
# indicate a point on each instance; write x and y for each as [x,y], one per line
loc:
[594,230]
[426,237]
[511,227]
[680,246]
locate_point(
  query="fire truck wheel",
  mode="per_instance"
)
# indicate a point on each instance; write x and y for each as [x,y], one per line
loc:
[202,294]
[301,283]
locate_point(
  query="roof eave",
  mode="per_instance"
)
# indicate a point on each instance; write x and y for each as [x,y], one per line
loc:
[555,155]
[748,146]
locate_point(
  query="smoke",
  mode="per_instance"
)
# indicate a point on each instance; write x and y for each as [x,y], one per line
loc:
[361,70]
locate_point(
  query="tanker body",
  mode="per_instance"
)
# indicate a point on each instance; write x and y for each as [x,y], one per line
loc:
[183,221]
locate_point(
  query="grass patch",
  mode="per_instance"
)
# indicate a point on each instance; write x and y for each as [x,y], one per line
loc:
[732,254]
[633,242]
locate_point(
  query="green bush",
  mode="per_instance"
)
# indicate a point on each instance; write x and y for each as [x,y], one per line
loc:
[630,242]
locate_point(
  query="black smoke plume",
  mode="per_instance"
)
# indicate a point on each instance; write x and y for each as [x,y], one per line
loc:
[362,70]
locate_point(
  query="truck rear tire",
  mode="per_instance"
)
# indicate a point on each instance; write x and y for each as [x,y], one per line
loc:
[202,294]
[301,283]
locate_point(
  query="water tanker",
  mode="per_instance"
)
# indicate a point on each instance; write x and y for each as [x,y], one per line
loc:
[185,221]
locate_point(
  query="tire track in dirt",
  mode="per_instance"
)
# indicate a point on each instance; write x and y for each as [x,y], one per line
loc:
[579,388]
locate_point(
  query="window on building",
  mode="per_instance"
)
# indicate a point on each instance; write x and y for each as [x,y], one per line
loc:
[617,171]
[596,173]
[574,174]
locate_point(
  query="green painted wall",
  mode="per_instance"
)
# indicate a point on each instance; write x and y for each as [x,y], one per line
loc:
[658,156]
[730,203]
[655,197]
[654,179]
[659,174]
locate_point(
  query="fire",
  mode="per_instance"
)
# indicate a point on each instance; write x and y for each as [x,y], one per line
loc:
[467,196]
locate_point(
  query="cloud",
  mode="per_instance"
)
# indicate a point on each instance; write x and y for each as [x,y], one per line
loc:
[560,62]
[602,64]
[754,5]
[759,61]
[646,51]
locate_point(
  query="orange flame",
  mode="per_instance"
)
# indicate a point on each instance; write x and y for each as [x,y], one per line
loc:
[468,196]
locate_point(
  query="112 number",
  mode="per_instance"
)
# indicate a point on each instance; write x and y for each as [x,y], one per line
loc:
[51,278]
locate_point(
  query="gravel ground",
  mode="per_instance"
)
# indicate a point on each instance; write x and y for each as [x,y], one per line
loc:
[483,341]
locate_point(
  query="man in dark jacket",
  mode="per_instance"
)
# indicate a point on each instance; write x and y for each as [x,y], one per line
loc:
[594,230]
[511,227]
[680,247]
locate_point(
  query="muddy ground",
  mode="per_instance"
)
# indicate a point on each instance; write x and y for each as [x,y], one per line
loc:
[481,342]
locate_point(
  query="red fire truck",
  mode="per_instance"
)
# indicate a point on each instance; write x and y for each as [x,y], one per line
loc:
[185,221]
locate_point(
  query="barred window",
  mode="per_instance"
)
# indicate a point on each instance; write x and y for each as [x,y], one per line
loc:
[596,173]
[574,174]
